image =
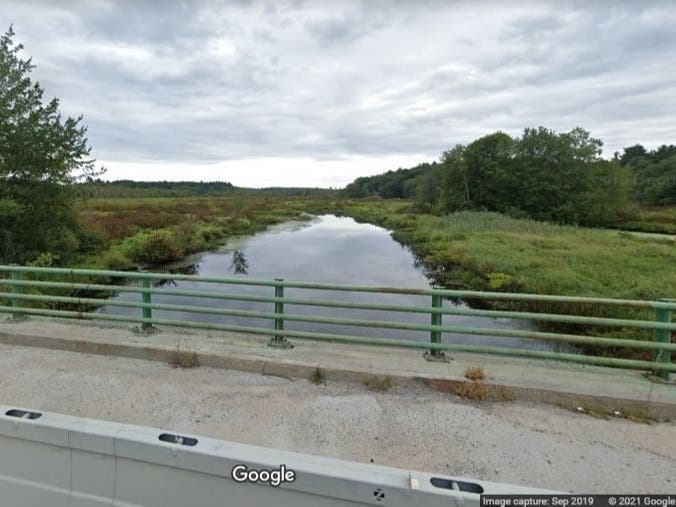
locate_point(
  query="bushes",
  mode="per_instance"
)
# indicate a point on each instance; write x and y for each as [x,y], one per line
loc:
[154,247]
[166,245]
[207,234]
[114,259]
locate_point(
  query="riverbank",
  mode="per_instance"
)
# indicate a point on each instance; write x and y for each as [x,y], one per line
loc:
[405,426]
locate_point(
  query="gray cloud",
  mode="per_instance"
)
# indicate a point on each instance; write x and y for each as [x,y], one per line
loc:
[201,83]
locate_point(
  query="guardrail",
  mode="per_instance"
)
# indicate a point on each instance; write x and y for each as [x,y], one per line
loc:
[75,281]
[52,459]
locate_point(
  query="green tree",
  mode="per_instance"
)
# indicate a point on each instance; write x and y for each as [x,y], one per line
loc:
[455,193]
[487,164]
[632,153]
[551,170]
[655,181]
[41,155]
[607,195]
[654,173]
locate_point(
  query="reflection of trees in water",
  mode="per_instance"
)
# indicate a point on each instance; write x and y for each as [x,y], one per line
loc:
[438,275]
[239,265]
[189,269]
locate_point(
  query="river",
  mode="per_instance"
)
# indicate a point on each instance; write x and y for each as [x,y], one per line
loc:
[325,249]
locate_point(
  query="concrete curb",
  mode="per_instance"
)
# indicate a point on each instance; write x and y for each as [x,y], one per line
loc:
[480,391]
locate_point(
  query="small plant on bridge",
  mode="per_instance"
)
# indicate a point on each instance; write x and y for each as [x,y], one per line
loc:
[318,376]
[184,358]
[378,383]
[475,372]
[471,390]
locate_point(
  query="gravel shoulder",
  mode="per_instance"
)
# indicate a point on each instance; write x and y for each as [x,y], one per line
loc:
[414,428]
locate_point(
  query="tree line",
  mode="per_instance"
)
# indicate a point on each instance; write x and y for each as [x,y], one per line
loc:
[101,189]
[542,174]
[97,188]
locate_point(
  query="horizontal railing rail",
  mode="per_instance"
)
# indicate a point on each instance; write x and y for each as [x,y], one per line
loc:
[26,288]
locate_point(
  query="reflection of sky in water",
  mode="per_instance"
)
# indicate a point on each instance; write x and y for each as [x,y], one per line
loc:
[327,249]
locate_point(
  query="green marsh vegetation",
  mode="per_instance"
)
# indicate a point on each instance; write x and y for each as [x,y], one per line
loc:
[149,232]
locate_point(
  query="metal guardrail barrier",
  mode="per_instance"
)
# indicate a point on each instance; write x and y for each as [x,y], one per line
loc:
[19,299]
[57,460]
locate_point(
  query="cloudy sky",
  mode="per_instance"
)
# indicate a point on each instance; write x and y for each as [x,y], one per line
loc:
[316,93]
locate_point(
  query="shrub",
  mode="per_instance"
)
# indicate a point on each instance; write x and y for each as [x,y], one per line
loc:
[155,247]
[471,390]
[475,372]
[116,260]
[184,358]
[318,376]
[91,241]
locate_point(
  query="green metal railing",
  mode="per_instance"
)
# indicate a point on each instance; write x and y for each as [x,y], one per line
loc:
[26,291]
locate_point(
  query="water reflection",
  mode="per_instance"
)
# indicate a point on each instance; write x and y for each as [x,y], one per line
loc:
[184,268]
[239,264]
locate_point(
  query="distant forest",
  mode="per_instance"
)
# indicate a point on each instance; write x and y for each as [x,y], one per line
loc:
[97,188]
[545,175]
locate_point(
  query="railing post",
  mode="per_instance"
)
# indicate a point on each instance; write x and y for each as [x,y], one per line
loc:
[279,341]
[17,290]
[146,311]
[663,356]
[435,336]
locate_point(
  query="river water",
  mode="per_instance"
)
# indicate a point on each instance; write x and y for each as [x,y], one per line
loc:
[326,249]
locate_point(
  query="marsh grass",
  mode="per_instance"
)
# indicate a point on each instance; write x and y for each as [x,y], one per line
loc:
[660,220]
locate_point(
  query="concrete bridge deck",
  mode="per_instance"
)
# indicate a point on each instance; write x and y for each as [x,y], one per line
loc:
[595,388]
[408,426]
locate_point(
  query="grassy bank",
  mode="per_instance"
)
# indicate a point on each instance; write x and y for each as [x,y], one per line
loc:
[489,251]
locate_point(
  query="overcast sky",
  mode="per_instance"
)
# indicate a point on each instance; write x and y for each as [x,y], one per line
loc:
[318,93]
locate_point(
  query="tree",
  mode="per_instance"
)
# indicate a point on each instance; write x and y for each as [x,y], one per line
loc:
[455,193]
[41,155]
[487,165]
[552,173]
[655,180]
[654,173]
[632,153]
